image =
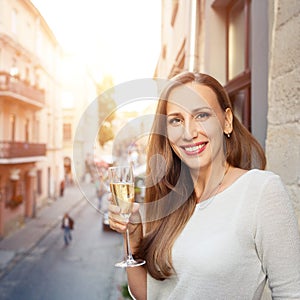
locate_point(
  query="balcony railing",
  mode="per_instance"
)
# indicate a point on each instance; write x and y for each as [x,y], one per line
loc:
[19,89]
[21,149]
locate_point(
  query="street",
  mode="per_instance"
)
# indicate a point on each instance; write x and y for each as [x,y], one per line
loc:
[83,270]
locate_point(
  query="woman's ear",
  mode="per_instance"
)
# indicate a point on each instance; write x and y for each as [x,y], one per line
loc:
[228,126]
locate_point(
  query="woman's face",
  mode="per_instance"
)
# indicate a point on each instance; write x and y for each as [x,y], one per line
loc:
[196,125]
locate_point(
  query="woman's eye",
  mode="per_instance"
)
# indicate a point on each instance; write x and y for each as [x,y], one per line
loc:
[175,121]
[203,116]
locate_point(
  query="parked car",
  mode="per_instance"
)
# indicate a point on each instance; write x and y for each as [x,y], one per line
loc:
[105,222]
[104,210]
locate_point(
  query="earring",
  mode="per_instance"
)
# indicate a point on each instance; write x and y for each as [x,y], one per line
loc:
[228,135]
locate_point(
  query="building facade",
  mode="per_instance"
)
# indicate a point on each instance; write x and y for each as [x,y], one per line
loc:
[79,93]
[31,161]
[252,48]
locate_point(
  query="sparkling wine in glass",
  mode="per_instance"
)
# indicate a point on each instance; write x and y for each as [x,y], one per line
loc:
[122,189]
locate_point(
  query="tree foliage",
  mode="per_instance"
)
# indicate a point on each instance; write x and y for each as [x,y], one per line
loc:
[106,110]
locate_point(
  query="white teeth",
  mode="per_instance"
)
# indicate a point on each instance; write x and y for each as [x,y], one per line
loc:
[194,148]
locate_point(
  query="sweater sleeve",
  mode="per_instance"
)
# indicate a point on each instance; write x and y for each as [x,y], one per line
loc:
[277,240]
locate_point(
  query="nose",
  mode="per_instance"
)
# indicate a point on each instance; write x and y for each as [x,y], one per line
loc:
[190,130]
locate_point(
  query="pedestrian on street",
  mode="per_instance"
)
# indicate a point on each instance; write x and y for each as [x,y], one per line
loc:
[101,190]
[67,225]
[62,188]
[216,224]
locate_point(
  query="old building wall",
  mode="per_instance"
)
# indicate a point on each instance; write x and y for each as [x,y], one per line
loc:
[283,133]
[31,113]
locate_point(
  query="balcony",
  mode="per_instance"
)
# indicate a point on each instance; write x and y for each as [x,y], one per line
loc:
[14,152]
[12,87]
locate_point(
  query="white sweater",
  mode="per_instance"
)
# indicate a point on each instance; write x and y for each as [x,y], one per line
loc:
[232,244]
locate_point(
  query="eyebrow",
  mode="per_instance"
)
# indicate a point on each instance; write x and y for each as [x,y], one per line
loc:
[200,108]
[192,112]
[173,114]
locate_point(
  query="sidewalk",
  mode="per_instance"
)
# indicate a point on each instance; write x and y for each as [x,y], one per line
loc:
[18,244]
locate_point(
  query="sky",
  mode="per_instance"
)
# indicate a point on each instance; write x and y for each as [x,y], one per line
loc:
[120,38]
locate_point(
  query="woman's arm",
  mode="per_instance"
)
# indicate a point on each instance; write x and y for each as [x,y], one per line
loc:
[137,276]
[278,241]
[137,282]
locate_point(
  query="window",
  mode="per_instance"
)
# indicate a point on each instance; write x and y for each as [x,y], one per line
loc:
[14,17]
[67,131]
[1,13]
[39,182]
[36,131]
[236,39]
[14,71]
[27,123]
[39,41]
[37,80]
[178,65]
[174,11]
[15,193]
[12,126]
[164,51]
[27,74]
[238,59]
[238,73]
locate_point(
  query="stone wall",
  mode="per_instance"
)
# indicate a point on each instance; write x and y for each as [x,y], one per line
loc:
[283,134]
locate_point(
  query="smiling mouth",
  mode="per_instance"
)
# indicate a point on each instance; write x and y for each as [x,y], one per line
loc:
[195,148]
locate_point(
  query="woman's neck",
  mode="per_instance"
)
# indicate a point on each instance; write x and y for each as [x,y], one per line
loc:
[207,181]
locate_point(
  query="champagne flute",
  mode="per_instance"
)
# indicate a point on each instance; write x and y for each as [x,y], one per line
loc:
[122,188]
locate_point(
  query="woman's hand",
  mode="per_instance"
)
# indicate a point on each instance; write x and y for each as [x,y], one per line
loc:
[137,277]
[120,224]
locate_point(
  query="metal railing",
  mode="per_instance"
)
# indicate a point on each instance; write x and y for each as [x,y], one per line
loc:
[21,149]
[14,84]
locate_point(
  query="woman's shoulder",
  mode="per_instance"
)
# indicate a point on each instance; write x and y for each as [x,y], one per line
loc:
[251,177]
[263,174]
[254,173]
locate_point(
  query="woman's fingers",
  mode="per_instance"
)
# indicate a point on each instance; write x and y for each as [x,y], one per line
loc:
[119,224]
[116,225]
[114,209]
[135,208]
[116,221]
[135,217]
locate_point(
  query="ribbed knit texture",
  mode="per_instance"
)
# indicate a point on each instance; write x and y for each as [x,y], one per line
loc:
[232,244]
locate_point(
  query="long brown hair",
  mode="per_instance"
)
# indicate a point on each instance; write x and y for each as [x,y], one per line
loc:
[176,185]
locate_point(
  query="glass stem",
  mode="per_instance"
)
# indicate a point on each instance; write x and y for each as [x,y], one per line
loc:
[129,254]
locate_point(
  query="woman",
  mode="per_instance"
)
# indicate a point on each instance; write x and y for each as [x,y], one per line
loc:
[67,225]
[223,228]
